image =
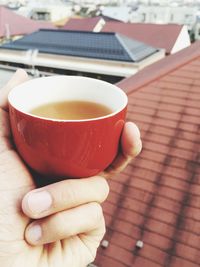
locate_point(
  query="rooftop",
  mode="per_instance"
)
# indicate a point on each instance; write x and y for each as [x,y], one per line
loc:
[157,35]
[13,24]
[108,46]
[157,197]
[82,24]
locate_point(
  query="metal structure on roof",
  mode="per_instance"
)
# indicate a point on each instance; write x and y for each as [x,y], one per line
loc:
[105,46]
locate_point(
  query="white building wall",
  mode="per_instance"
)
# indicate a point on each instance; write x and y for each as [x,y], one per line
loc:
[108,67]
[99,25]
[60,12]
[120,13]
[165,14]
[182,41]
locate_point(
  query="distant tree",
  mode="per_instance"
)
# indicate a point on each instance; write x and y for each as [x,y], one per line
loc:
[192,36]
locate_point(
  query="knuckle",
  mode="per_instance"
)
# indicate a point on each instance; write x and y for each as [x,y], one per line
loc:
[58,224]
[97,211]
[67,194]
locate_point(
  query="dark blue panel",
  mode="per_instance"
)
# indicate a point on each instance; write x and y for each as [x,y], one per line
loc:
[108,46]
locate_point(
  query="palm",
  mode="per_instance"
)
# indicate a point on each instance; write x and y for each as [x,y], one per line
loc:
[14,250]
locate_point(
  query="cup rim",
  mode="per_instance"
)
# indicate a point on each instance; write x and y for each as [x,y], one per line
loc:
[10,102]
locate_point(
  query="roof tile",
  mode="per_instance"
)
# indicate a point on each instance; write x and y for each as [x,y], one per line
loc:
[154,146]
[19,25]
[81,24]
[124,214]
[163,36]
[172,192]
[192,213]
[140,261]
[171,86]
[157,197]
[188,252]
[156,239]
[186,74]
[125,227]
[149,252]
[190,136]
[124,241]
[142,184]
[191,68]
[122,255]
[175,262]
[162,215]
[173,185]
[177,79]
[159,227]
[188,238]
[167,204]
[109,262]
[151,155]
[195,190]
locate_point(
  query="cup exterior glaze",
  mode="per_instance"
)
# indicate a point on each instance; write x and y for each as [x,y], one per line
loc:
[66,149]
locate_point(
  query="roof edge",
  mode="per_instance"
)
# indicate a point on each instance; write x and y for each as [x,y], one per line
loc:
[76,31]
[160,68]
[117,35]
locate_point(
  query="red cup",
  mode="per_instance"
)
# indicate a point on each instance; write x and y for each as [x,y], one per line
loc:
[66,148]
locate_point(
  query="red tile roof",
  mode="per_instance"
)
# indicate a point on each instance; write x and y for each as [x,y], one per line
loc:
[157,197]
[84,24]
[161,36]
[19,25]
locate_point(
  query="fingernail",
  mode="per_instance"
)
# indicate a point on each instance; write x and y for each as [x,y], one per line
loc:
[39,201]
[34,233]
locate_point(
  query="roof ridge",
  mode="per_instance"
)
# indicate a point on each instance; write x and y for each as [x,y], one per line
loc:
[119,39]
[125,42]
[160,68]
[78,31]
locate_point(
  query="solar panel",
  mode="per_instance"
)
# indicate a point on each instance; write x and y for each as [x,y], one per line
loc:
[108,46]
[137,50]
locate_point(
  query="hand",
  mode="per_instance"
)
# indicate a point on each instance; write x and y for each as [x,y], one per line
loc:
[68,222]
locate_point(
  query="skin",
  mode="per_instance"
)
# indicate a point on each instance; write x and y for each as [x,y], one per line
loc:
[60,224]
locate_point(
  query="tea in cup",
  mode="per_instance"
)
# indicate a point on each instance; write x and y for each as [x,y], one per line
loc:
[67,126]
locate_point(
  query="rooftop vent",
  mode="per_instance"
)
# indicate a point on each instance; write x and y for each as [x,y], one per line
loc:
[139,244]
[104,243]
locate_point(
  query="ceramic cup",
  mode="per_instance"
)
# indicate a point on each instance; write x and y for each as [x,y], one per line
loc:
[66,148]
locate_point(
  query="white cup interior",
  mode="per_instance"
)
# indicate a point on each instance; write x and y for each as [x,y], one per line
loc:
[40,91]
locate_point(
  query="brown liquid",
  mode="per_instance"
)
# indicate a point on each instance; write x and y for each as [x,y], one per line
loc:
[71,110]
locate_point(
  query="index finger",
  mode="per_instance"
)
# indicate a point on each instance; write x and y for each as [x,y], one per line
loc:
[19,77]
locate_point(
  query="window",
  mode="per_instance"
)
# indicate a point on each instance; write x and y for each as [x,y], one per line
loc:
[188,18]
[143,17]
